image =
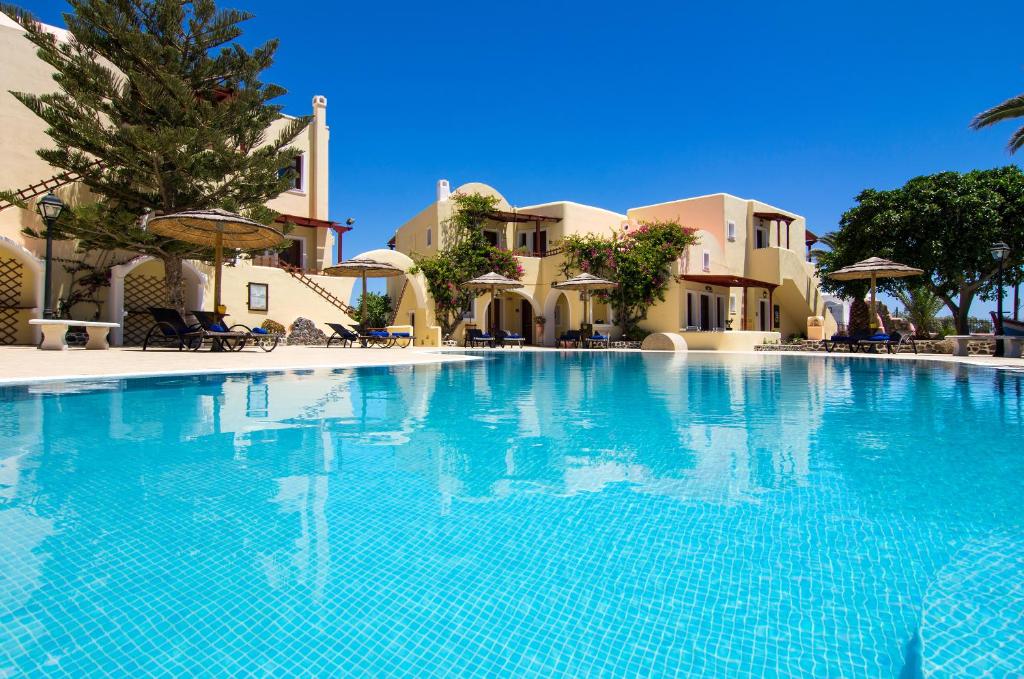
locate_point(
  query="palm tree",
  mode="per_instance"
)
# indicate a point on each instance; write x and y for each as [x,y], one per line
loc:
[828,240]
[921,307]
[1008,110]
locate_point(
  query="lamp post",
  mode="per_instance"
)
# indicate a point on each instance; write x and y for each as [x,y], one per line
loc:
[1000,251]
[49,207]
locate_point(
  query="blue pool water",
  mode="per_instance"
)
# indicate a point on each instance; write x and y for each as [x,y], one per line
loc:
[593,514]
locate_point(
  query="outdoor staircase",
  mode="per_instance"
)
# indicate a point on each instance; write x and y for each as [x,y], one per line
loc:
[300,275]
[45,186]
[398,304]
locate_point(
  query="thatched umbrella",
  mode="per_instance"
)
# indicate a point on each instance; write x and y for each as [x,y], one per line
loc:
[874,268]
[217,229]
[585,283]
[363,267]
[492,281]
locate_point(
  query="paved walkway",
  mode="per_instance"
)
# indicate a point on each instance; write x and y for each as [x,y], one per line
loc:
[28,364]
[24,364]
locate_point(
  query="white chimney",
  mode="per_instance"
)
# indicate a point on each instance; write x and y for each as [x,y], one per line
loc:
[444,190]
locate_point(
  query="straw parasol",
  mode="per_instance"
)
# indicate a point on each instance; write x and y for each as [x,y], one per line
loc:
[492,281]
[217,229]
[585,283]
[363,267]
[874,268]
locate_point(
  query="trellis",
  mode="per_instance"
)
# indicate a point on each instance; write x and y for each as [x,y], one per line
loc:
[11,280]
[140,293]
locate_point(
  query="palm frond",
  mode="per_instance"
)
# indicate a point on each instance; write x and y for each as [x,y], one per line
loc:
[1009,109]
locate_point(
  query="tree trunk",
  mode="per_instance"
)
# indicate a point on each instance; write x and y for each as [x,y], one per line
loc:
[175,281]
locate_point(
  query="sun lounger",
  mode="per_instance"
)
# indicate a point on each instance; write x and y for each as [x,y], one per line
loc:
[171,329]
[851,341]
[570,338]
[596,341]
[892,342]
[477,337]
[342,335]
[235,337]
[510,338]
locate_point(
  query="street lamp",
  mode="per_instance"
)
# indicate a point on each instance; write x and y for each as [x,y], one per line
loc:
[49,207]
[1000,251]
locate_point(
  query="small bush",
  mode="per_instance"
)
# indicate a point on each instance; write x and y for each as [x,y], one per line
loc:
[273,327]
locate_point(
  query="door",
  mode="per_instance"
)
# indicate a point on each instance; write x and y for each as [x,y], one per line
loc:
[291,255]
[526,326]
[542,246]
[705,312]
[763,318]
[719,312]
[494,316]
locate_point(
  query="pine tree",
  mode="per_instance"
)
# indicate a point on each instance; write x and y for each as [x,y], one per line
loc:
[159,108]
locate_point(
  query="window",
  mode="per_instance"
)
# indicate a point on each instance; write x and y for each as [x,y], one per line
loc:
[706,261]
[732,304]
[491,237]
[730,231]
[298,181]
[428,237]
[522,240]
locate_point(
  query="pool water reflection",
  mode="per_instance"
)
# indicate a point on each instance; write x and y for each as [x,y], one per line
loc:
[533,514]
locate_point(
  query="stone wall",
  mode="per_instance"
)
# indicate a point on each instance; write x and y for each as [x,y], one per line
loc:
[975,347]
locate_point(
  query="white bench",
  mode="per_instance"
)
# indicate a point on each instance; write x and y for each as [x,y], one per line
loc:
[54,330]
[1012,344]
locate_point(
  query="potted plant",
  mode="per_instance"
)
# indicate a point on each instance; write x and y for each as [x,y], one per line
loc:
[538,335]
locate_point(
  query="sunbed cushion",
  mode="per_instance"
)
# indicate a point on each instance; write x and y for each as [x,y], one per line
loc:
[217,327]
[400,334]
[378,333]
[260,331]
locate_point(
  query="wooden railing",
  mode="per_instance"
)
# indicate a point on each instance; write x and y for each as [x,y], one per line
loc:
[398,303]
[300,275]
[45,186]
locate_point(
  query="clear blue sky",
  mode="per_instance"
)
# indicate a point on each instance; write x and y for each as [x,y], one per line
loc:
[622,104]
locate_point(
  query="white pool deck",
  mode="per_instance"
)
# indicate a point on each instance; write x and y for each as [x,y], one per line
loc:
[27,364]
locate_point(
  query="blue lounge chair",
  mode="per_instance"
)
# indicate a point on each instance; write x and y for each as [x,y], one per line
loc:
[569,338]
[851,341]
[892,342]
[510,338]
[170,328]
[597,341]
[342,335]
[477,337]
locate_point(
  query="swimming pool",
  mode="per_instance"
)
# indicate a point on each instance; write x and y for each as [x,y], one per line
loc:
[534,514]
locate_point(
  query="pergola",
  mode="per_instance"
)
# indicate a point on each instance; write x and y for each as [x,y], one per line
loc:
[516,217]
[732,281]
[779,219]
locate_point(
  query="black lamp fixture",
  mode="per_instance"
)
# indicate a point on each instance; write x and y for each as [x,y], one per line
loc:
[50,208]
[1000,252]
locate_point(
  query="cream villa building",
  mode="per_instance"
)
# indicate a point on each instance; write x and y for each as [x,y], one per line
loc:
[289,283]
[747,281]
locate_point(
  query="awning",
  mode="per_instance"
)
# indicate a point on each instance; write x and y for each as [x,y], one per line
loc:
[729,281]
[515,216]
[775,217]
[313,223]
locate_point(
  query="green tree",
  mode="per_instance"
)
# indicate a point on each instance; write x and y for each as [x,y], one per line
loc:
[377,311]
[1010,109]
[943,224]
[464,254]
[158,107]
[640,261]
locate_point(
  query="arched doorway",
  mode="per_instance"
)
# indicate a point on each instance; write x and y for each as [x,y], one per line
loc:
[21,293]
[559,315]
[513,311]
[139,285]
